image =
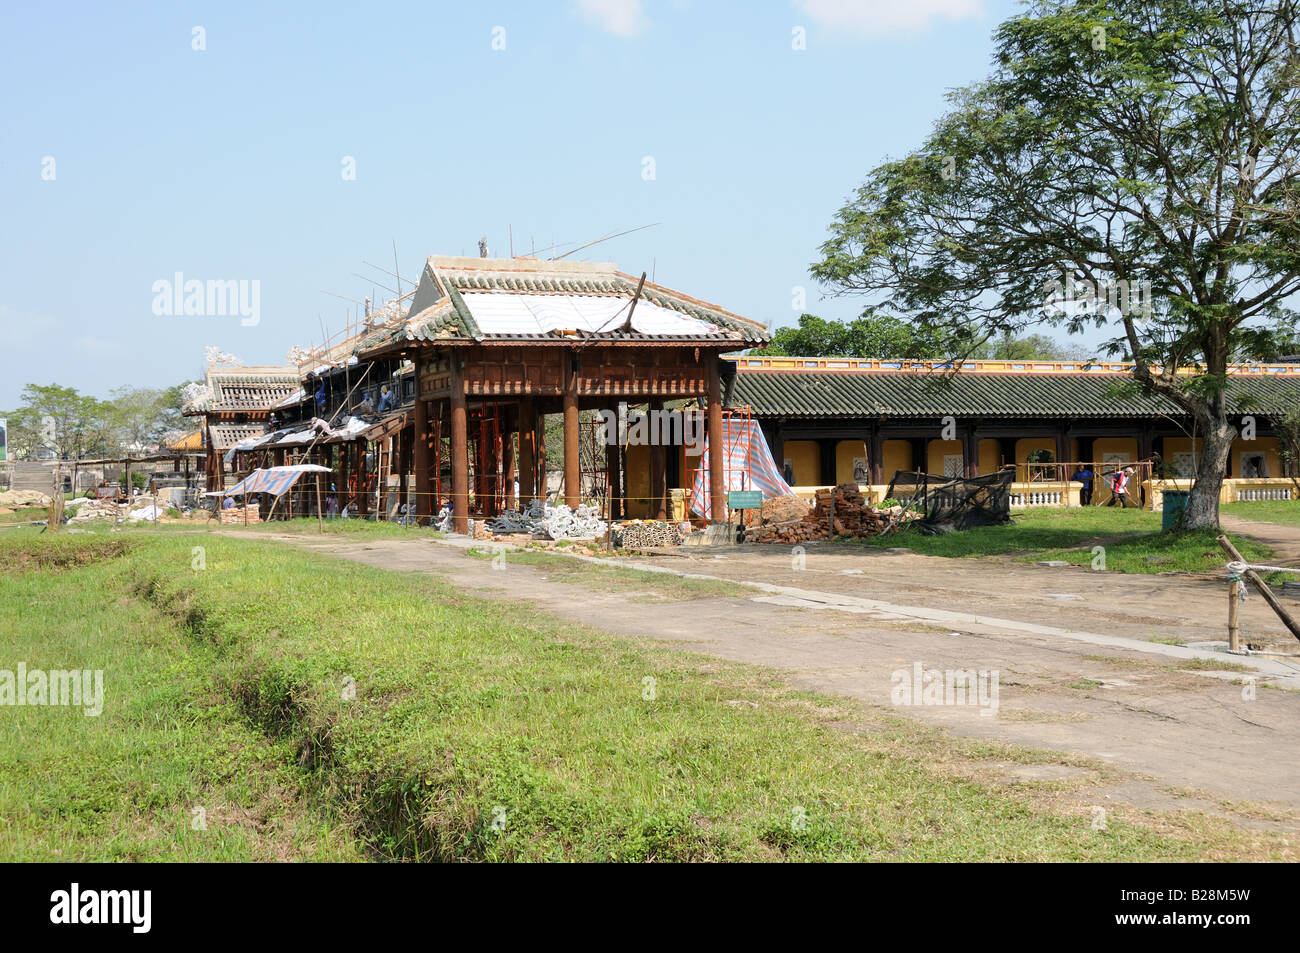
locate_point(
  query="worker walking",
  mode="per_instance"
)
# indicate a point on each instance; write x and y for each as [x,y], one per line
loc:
[1119,487]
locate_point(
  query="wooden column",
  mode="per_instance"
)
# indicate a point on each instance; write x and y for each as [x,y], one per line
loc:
[876,446]
[459,449]
[658,508]
[509,473]
[527,451]
[420,451]
[717,491]
[363,489]
[572,475]
[614,474]
[404,467]
[970,451]
[1062,451]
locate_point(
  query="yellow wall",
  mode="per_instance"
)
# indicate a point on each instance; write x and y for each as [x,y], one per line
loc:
[1125,445]
[937,450]
[1269,445]
[1175,445]
[845,451]
[990,456]
[806,458]
[897,455]
[1027,445]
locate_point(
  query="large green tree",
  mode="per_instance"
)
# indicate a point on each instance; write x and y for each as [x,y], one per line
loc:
[1127,165]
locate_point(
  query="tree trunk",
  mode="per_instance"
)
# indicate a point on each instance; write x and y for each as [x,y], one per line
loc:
[1203,504]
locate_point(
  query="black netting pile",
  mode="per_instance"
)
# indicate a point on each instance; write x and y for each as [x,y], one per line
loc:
[948,503]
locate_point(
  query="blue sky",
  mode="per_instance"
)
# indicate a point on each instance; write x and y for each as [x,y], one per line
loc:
[226,163]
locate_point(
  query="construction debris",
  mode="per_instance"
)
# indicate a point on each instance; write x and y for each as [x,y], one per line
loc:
[646,534]
[547,522]
[782,509]
[23,498]
[842,509]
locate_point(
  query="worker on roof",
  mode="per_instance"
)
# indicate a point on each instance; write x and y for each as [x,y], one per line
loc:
[386,400]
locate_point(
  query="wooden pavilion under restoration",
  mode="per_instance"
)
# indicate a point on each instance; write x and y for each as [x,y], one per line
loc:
[236,404]
[496,344]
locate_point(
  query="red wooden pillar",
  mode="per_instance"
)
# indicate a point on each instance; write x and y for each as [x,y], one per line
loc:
[572,475]
[423,501]
[459,449]
[527,451]
[717,489]
[658,508]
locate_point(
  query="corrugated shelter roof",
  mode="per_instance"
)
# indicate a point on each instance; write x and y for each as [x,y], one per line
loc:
[928,391]
[526,300]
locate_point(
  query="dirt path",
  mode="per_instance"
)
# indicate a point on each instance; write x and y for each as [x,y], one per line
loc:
[848,621]
[1282,539]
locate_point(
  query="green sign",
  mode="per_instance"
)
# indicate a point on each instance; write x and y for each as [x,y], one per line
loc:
[745,499]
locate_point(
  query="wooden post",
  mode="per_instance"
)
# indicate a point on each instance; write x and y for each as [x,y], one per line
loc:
[1234,603]
[658,508]
[1263,588]
[404,469]
[527,452]
[572,475]
[614,479]
[423,501]
[717,489]
[509,472]
[459,449]
[320,512]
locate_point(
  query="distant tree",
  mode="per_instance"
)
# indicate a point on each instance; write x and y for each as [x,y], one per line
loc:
[888,338]
[869,336]
[143,415]
[1031,347]
[78,423]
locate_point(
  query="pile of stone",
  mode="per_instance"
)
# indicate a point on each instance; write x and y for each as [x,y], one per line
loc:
[844,505]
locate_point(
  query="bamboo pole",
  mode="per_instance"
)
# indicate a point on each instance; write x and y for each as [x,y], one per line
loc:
[1263,588]
[1234,611]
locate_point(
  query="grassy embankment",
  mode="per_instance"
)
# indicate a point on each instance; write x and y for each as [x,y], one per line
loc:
[477,730]
[1131,538]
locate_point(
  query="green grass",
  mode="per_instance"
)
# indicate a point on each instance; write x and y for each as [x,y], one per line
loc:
[1131,538]
[25,514]
[476,731]
[1286,512]
[310,526]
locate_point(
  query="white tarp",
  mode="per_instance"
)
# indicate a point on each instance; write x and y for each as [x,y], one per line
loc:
[542,314]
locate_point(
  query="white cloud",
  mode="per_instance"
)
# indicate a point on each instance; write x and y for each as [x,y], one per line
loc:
[620,17]
[876,18]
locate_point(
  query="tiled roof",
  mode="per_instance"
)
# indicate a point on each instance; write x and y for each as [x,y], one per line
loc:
[439,310]
[225,436]
[930,393]
[248,389]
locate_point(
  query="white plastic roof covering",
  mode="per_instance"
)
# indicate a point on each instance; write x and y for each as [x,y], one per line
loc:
[513,314]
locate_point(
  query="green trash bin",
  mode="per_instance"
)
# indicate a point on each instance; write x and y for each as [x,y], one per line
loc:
[1175,506]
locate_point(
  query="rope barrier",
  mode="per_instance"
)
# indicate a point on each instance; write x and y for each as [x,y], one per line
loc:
[1237,569]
